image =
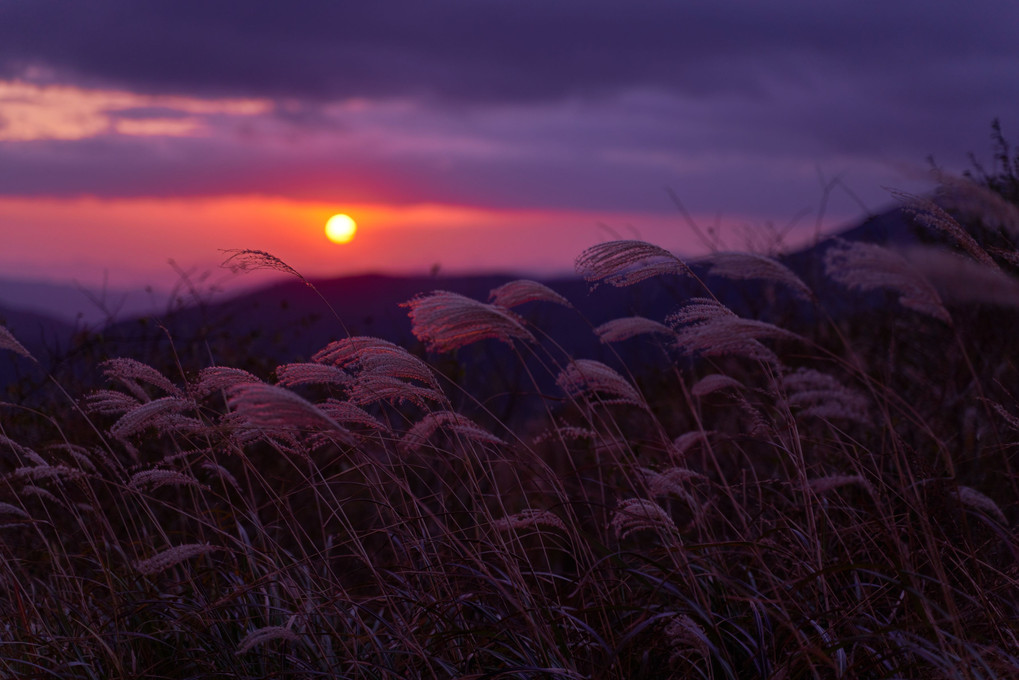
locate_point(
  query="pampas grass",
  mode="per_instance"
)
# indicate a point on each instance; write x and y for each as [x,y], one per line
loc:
[171,557]
[624,263]
[867,266]
[618,330]
[757,267]
[10,343]
[839,501]
[593,379]
[448,321]
[521,291]
[641,514]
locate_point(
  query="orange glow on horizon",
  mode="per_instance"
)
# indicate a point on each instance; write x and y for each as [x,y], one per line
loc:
[131,240]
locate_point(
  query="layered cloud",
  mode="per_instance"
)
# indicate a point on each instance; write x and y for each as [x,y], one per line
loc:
[745,109]
[526,103]
[489,52]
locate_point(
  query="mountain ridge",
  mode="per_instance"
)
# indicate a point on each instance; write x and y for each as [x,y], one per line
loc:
[289,320]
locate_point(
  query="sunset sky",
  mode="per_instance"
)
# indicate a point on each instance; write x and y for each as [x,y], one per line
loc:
[471,135]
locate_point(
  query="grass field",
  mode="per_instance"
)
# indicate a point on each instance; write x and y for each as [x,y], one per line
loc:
[835,499]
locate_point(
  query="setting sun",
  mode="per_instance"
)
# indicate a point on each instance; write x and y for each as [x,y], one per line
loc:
[340,228]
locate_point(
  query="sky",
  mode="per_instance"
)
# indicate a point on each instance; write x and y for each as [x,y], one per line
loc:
[138,140]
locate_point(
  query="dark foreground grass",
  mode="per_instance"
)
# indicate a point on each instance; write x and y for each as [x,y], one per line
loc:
[835,502]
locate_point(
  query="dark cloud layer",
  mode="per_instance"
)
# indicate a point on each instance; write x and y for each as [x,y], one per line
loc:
[471,51]
[574,104]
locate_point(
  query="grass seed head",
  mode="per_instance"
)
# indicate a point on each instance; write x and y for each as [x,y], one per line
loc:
[640,514]
[618,330]
[523,290]
[752,266]
[261,636]
[529,518]
[9,342]
[171,557]
[594,380]
[868,266]
[447,321]
[625,262]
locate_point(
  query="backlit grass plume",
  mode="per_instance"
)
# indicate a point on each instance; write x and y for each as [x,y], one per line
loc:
[624,263]
[867,266]
[9,342]
[447,321]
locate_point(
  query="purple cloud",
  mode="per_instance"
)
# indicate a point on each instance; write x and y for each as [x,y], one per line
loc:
[579,105]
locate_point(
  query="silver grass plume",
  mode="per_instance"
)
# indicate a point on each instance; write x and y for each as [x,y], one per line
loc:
[671,483]
[156,478]
[611,445]
[961,279]
[970,199]
[289,375]
[595,380]
[524,290]
[23,451]
[625,262]
[372,387]
[158,413]
[867,266]
[221,472]
[821,395]
[347,351]
[8,509]
[1012,421]
[974,499]
[344,412]
[683,632]
[457,424]
[682,444]
[80,454]
[751,266]
[39,492]
[707,327]
[260,636]
[243,261]
[529,518]
[714,382]
[9,342]
[268,406]
[58,473]
[171,557]
[565,433]
[447,321]
[130,371]
[367,355]
[110,402]
[934,217]
[639,514]
[625,328]
[1009,256]
[381,371]
[220,378]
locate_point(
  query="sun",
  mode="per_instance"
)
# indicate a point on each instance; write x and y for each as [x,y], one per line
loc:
[341,228]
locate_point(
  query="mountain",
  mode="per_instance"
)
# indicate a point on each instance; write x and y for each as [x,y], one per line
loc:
[72,303]
[289,321]
[43,336]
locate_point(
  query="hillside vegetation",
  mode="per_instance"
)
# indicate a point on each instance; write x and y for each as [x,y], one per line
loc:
[788,493]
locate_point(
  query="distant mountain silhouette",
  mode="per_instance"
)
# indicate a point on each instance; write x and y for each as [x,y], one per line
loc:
[289,321]
[42,335]
[72,303]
